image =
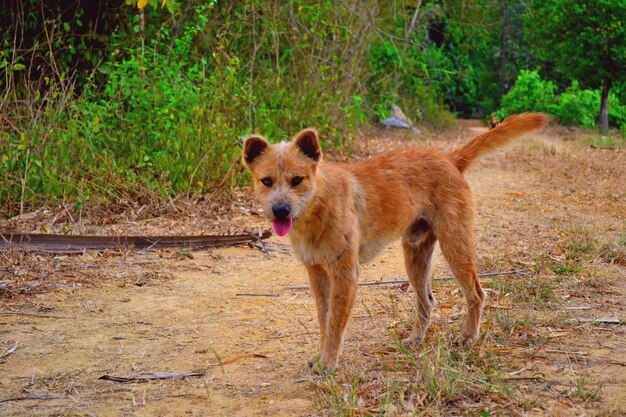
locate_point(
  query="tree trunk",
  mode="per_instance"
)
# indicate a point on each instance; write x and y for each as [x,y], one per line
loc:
[603,123]
[504,38]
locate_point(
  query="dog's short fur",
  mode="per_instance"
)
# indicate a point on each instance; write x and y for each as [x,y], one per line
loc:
[341,215]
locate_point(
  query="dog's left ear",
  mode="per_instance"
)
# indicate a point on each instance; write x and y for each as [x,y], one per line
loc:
[308,143]
[253,147]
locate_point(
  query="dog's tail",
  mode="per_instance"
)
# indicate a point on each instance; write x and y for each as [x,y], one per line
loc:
[510,128]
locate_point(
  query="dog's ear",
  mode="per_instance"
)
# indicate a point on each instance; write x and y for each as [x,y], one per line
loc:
[308,144]
[253,147]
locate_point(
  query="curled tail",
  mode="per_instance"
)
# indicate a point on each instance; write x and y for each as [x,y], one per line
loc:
[510,128]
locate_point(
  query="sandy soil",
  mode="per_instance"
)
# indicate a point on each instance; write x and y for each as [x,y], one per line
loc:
[135,314]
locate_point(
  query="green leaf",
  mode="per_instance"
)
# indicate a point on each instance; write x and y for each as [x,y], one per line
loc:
[19,67]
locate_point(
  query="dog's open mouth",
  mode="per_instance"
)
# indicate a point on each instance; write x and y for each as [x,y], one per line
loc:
[282,227]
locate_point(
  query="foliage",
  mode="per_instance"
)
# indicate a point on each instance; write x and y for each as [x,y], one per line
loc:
[583,39]
[444,63]
[573,106]
[578,107]
[530,93]
[167,107]
[104,102]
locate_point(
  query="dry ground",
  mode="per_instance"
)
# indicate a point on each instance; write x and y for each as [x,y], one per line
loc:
[547,204]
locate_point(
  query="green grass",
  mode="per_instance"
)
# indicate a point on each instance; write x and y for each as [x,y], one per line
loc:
[604,142]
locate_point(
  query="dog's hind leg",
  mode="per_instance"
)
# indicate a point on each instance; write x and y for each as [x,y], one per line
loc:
[455,234]
[418,243]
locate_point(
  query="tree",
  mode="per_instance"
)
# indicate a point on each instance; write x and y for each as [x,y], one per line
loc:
[581,39]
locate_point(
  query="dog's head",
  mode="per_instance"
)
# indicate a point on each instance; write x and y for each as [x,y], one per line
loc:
[284,175]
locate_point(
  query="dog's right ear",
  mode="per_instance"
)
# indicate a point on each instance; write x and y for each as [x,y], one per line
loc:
[253,147]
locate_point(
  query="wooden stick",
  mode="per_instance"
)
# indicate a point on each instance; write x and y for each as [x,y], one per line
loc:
[402,281]
[565,352]
[166,375]
[257,294]
[607,320]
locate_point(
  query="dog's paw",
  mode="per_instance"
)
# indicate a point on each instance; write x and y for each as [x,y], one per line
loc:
[316,365]
[467,339]
[320,369]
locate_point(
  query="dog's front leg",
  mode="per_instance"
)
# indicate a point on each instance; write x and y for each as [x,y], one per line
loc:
[320,287]
[343,279]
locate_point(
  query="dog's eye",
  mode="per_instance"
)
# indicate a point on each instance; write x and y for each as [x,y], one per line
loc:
[267,182]
[295,181]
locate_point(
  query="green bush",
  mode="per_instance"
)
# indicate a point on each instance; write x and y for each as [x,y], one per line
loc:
[530,93]
[572,107]
[167,109]
[410,78]
[578,107]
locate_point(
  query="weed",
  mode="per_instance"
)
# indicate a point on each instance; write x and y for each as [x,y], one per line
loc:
[539,291]
[565,269]
[603,142]
[583,390]
[511,324]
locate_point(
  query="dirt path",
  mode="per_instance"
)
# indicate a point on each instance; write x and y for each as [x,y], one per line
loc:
[535,200]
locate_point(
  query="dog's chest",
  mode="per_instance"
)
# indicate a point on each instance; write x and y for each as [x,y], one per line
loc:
[325,251]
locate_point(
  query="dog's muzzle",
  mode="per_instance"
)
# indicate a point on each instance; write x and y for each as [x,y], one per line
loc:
[281,211]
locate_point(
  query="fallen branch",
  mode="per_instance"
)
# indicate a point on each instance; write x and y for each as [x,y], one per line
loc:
[595,321]
[78,244]
[403,281]
[150,377]
[34,396]
[565,352]
[577,308]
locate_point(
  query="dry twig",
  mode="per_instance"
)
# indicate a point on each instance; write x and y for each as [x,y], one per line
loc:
[403,281]
[257,294]
[149,377]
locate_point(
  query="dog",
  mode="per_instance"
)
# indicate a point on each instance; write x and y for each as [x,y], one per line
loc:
[341,215]
[494,121]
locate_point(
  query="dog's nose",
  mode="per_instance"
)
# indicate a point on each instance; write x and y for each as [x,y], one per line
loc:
[281,211]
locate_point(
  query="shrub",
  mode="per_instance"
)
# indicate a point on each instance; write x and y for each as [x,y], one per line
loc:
[530,93]
[578,107]
[167,108]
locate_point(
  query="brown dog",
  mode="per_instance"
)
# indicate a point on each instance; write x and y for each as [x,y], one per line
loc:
[340,215]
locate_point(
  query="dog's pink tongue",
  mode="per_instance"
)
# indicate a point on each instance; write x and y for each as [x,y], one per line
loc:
[282,227]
